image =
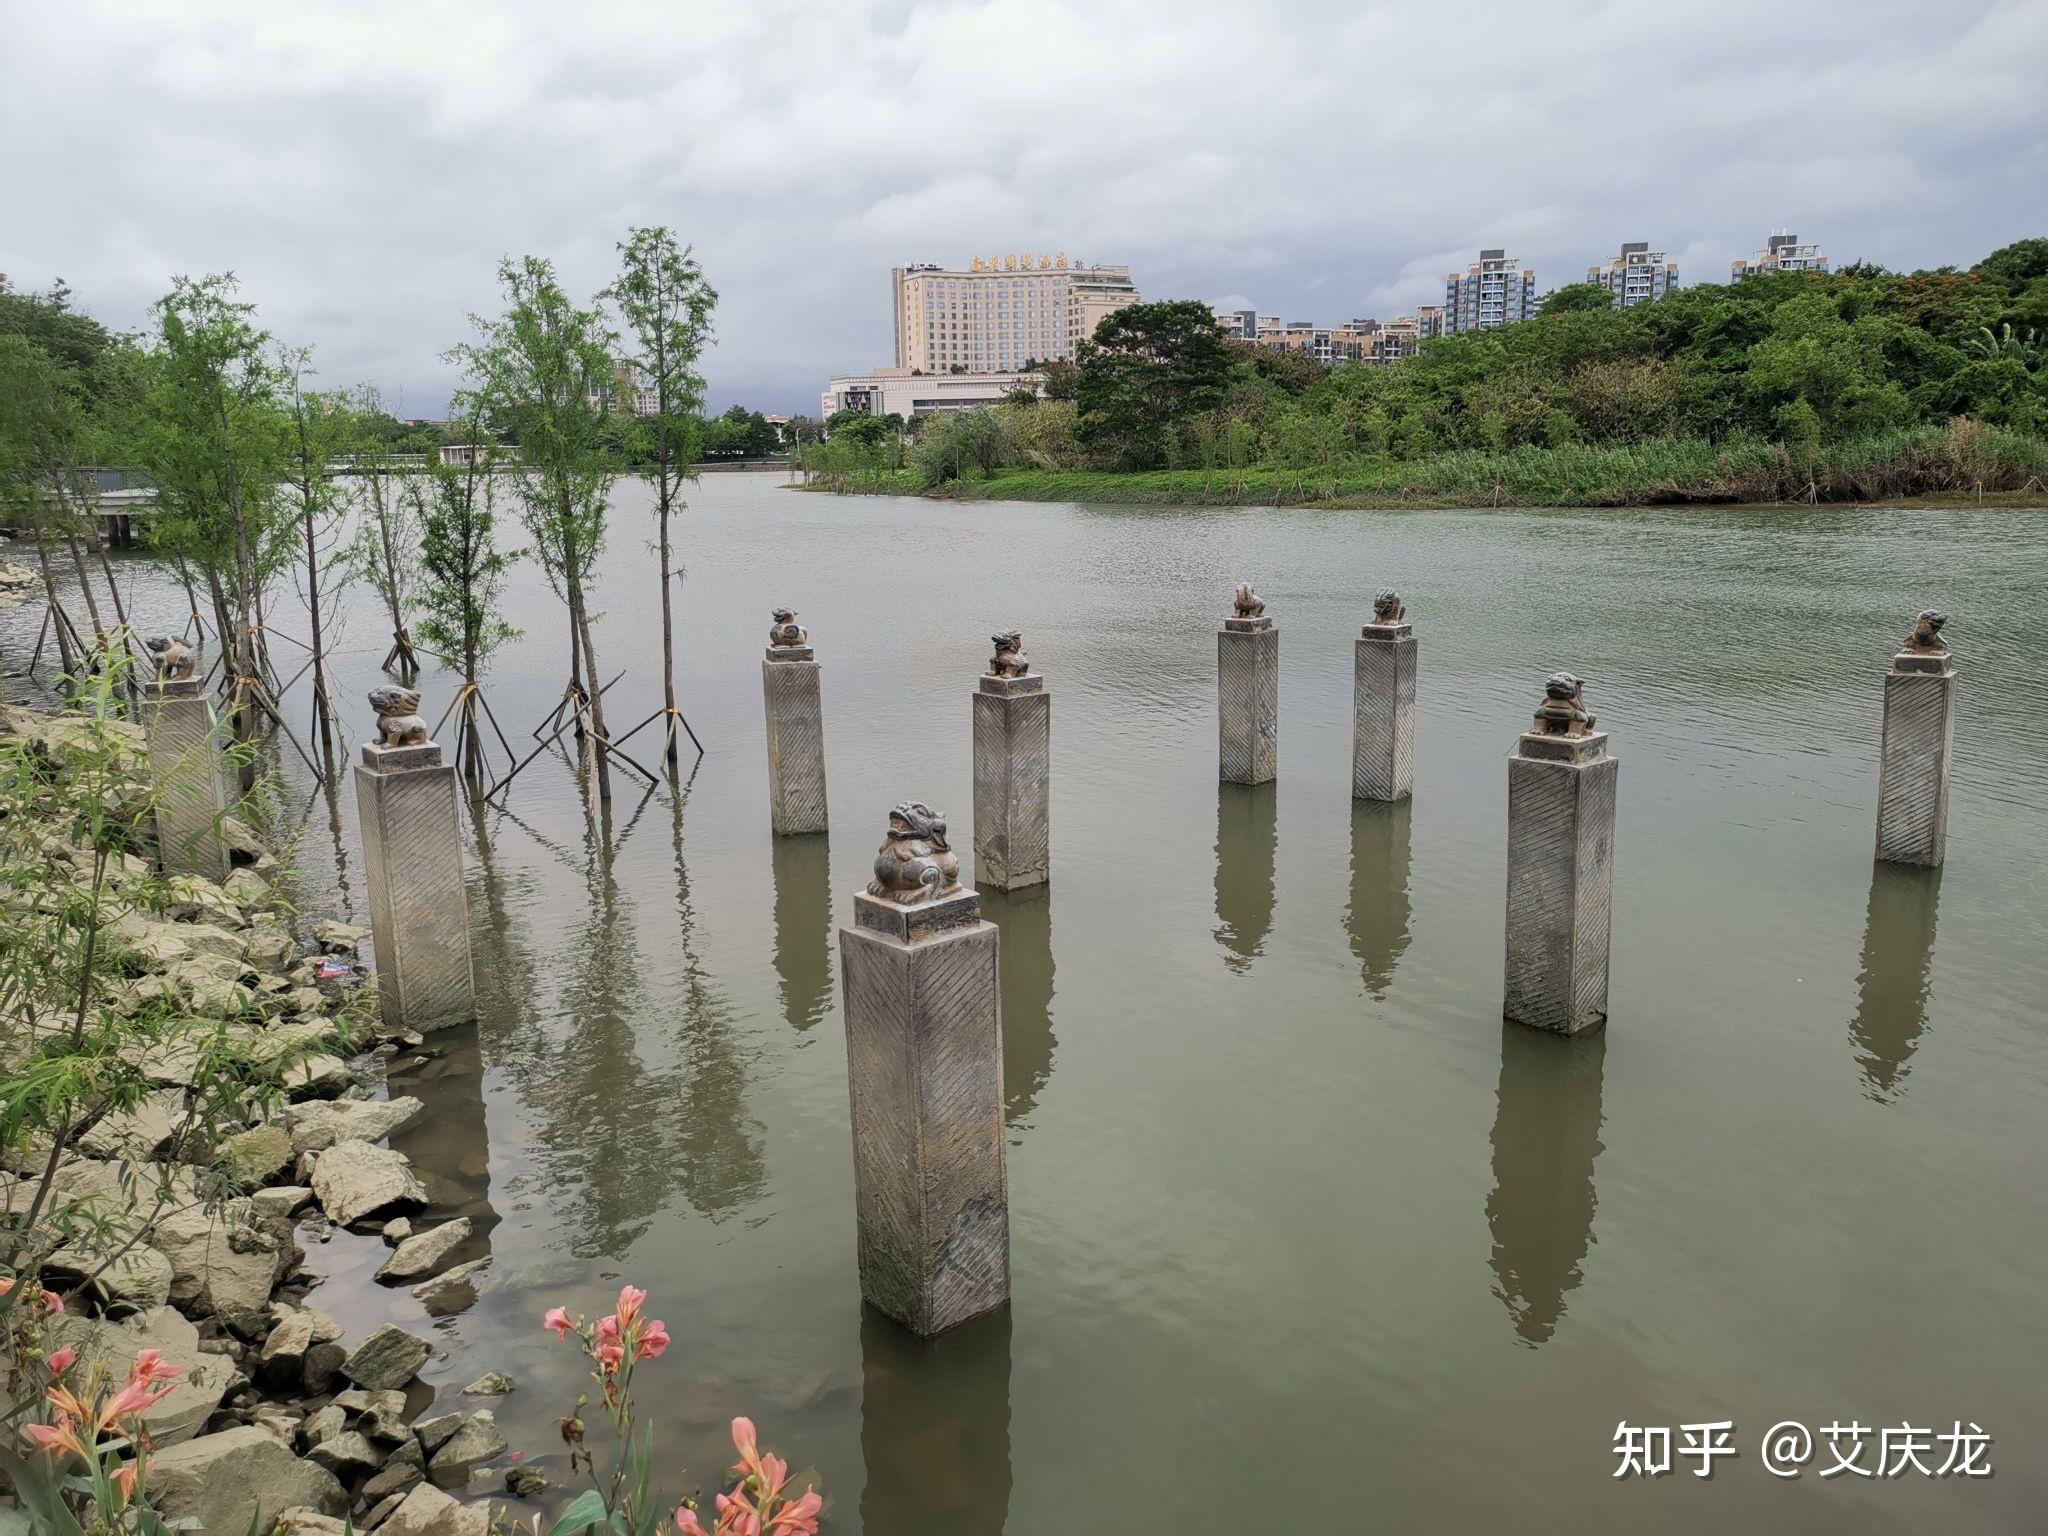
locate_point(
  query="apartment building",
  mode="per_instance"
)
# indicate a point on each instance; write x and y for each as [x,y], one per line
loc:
[1355,341]
[1493,291]
[1782,252]
[1636,276]
[1001,313]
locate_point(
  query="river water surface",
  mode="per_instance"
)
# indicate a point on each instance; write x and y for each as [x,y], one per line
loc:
[1304,1237]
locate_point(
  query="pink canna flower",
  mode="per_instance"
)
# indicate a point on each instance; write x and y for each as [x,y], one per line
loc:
[607,1329]
[557,1322]
[124,1483]
[799,1518]
[631,1299]
[610,1357]
[686,1522]
[60,1360]
[149,1366]
[743,1441]
[653,1342]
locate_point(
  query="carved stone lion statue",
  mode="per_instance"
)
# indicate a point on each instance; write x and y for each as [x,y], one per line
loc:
[786,631]
[1387,607]
[175,660]
[1009,659]
[1563,710]
[915,865]
[398,717]
[1247,602]
[1926,637]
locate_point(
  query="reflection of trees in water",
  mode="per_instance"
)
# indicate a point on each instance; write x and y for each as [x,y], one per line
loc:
[1377,919]
[1025,920]
[1546,1135]
[803,925]
[935,1428]
[1246,838]
[1893,986]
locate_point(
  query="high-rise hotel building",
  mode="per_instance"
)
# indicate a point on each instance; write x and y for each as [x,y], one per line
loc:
[1002,312]
[1492,292]
[1636,276]
[1782,252]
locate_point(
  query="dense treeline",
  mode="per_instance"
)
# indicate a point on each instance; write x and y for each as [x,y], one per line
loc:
[1862,382]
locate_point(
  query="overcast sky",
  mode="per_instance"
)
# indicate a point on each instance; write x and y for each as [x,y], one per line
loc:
[362,165]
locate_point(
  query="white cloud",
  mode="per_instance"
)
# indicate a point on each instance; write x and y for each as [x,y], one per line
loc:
[363,163]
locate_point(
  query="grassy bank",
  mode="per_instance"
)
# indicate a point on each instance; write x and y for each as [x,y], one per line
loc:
[1960,460]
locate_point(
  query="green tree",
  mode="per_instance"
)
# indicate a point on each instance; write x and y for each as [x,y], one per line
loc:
[323,427]
[666,305]
[541,372]
[391,497]
[41,489]
[1149,367]
[1576,298]
[465,575]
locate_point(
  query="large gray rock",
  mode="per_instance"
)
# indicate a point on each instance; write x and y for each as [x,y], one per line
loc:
[338,937]
[353,1179]
[219,1262]
[138,1281]
[303,1521]
[348,1455]
[453,1289]
[476,1442]
[427,1511]
[257,1155]
[425,1252]
[282,1361]
[237,1479]
[406,1470]
[388,1358]
[140,1133]
[111,1348]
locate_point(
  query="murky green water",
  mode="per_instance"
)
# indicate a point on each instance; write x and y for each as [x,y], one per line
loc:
[1305,1239]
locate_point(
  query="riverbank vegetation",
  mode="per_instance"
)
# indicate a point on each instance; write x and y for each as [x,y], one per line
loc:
[1856,385]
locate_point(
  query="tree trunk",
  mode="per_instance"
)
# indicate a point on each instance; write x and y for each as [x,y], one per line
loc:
[580,619]
[323,705]
[65,657]
[668,647]
[92,606]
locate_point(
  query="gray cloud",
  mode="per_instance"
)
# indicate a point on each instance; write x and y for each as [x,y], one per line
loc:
[362,165]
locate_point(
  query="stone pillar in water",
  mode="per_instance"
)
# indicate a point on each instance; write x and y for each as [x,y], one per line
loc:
[796,729]
[186,764]
[1383,704]
[1560,865]
[407,802]
[924,1069]
[1919,744]
[1248,692]
[1012,765]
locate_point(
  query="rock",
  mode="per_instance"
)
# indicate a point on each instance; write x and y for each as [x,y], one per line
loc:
[337,937]
[397,1230]
[239,1479]
[317,1126]
[279,1199]
[491,1384]
[452,1289]
[390,1357]
[317,1076]
[386,1421]
[321,1427]
[241,838]
[257,1155]
[427,1511]
[438,1431]
[353,1179]
[207,939]
[305,1521]
[381,1510]
[140,1133]
[348,1455]
[406,1469]
[246,888]
[218,1263]
[268,947]
[525,1482]
[278,1420]
[282,1361]
[138,1281]
[476,1442]
[305,999]
[425,1252]
[361,1400]
[323,1368]
[112,1347]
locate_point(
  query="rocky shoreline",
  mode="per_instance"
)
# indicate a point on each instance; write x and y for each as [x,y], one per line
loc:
[279,1420]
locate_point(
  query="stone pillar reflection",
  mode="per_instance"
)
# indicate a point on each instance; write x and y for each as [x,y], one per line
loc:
[1377,919]
[920,975]
[1012,771]
[1024,918]
[796,729]
[802,869]
[935,1428]
[1247,839]
[1383,704]
[1919,744]
[407,806]
[1248,692]
[1561,796]
[187,764]
[1546,1138]
[1893,984]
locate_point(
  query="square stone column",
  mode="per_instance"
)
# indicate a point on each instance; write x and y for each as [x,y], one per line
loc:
[1561,792]
[796,740]
[1383,713]
[1012,766]
[1919,745]
[924,1059]
[188,770]
[407,802]
[1248,700]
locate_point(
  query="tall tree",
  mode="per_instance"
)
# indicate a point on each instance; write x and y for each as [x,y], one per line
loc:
[1149,367]
[666,305]
[38,428]
[392,492]
[322,427]
[542,374]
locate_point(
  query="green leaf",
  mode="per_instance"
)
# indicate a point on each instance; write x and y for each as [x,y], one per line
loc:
[585,1513]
